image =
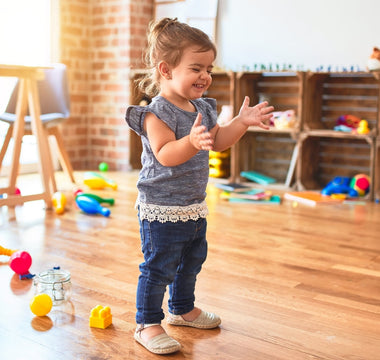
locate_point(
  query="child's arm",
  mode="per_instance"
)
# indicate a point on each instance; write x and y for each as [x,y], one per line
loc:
[172,152]
[228,134]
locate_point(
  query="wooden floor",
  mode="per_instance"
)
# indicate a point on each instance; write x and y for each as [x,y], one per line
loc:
[289,282]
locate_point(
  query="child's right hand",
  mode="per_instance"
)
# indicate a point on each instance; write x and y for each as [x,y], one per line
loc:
[199,137]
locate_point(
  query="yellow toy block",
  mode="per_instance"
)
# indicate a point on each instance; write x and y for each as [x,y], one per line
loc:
[100,317]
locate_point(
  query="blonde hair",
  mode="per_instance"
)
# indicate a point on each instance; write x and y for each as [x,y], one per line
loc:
[167,40]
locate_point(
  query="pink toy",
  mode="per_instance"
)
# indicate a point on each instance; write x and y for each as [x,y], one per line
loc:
[20,262]
[91,206]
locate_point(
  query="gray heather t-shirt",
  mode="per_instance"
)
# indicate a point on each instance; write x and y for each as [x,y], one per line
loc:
[181,185]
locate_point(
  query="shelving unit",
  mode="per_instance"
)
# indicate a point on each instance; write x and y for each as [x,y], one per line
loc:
[326,153]
[274,152]
[312,153]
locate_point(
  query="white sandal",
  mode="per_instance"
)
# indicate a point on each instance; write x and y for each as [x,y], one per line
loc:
[205,320]
[160,344]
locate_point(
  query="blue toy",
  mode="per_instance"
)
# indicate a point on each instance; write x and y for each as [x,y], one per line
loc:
[91,206]
[340,185]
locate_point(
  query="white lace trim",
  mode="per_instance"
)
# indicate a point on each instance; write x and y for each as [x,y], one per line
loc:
[165,213]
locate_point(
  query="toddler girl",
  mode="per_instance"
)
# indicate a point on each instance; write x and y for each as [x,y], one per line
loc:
[177,130]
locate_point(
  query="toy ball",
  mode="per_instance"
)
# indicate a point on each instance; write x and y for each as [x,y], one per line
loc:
[360,183]
[103,166]
[20,262]
[41,304]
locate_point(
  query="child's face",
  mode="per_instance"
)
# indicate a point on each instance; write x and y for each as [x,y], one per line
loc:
[192,76]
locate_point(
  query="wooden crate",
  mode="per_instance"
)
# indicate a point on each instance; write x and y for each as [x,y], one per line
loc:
[322,158]
[269,153]
[284,91]
[331,95]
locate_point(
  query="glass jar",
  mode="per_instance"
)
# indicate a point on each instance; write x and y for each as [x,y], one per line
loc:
[54,282]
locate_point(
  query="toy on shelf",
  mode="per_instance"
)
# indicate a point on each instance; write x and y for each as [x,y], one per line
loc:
[91,206]
[373,63]
[100,317]
[103,166]
[258,177]
[353,187]
[363,127]
[284,119]
[352,124]
[41,304]
[96,181]
[59,202]
[99,199]
[348,120]
[219,164]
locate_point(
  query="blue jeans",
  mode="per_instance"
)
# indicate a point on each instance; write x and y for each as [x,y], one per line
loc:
[173,254]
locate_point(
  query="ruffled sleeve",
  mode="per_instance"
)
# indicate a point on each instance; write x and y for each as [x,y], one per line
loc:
[134,117]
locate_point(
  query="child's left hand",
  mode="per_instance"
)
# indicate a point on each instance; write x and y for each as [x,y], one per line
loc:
[255,115]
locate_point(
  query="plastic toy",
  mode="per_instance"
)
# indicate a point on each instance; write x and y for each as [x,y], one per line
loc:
[351,121]
[100,317]
[360,183]
[284,119]
[363,127]
[103,166]
[59,202]
[41,304]
[99,199]
[97,182]
[91,206]
[219,164]
[6,252]
[20,262]
[373,63]
[353,187]
[339,185]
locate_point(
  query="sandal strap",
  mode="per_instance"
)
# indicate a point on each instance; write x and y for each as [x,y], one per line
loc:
[141,327]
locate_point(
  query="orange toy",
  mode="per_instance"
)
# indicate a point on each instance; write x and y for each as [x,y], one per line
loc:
[6,252]
[59,202]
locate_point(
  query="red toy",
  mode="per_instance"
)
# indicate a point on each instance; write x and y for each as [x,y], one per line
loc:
[20,263]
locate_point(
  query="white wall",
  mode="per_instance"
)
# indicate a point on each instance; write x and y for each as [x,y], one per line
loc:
[304,33]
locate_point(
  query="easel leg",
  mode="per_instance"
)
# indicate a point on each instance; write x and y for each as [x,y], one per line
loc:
[18,133]
[45,162]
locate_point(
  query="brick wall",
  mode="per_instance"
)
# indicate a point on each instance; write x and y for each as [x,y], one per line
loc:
[100,42]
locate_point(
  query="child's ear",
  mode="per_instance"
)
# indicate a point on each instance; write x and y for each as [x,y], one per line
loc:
[164,70]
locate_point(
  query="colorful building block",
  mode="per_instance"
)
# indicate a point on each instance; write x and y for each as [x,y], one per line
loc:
[100,317]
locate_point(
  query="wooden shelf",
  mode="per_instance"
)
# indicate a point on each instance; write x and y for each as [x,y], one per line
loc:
[312,153]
